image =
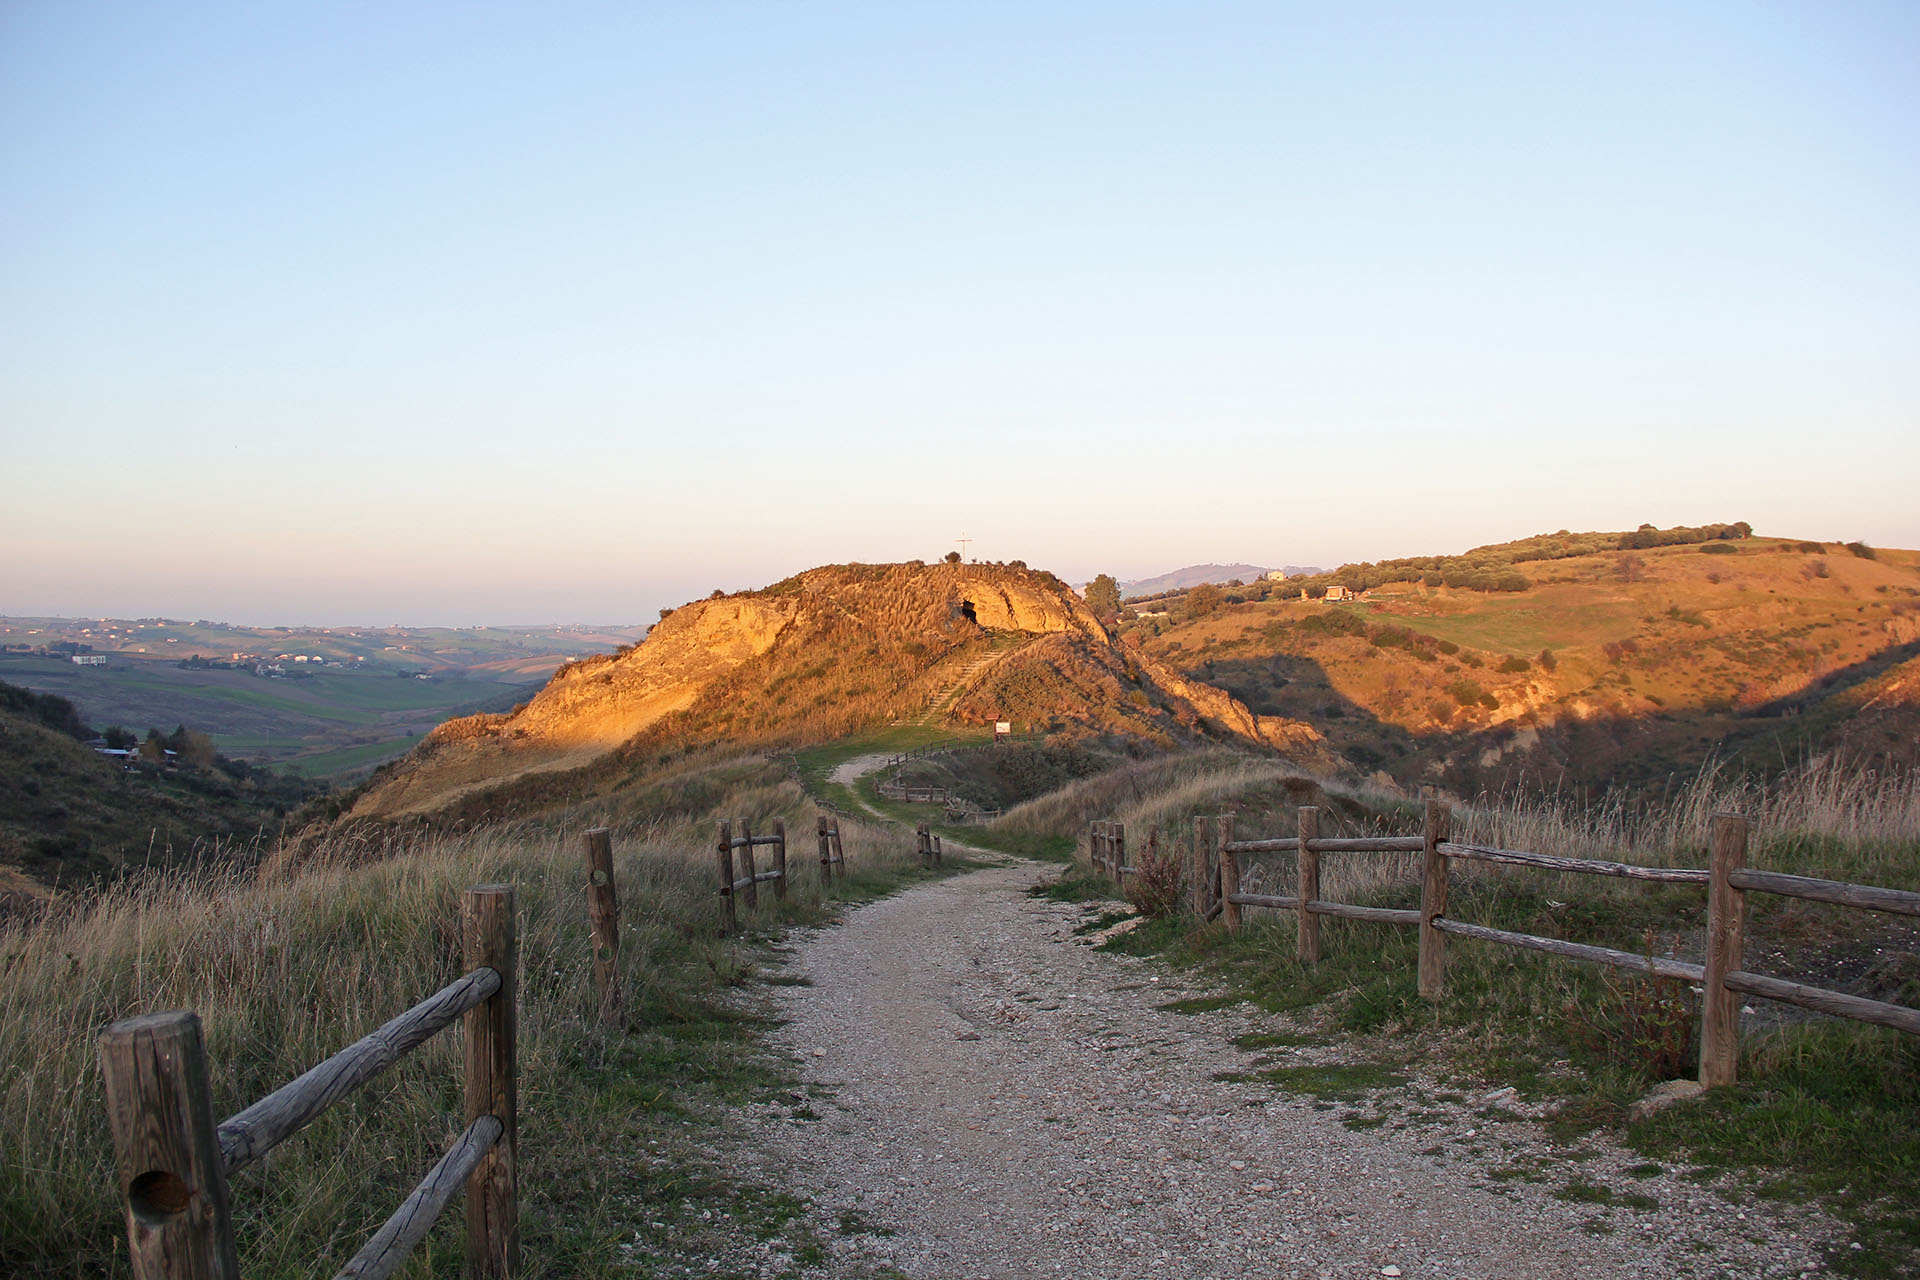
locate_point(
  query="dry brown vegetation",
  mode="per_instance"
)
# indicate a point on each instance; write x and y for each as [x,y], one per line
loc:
[809,660]
[1610,667]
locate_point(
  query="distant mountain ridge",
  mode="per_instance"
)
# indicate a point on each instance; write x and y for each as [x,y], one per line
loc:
[1195,574]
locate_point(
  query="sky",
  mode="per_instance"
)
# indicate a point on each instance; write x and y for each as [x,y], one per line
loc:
[445,314]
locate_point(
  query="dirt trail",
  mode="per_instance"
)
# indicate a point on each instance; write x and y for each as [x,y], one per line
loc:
[1006,1103]
[850,772]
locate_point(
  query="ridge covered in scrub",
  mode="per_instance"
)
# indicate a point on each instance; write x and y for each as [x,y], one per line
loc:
[1616,661]
[824,653]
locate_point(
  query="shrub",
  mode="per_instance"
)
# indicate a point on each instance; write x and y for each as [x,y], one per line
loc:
[1547,660]
[1466,692]
[1515,665]
[1646,1024]
[1862,550]
[1719,549]
[1155,887]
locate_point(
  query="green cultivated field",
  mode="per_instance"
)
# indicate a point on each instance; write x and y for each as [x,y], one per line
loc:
[330,724]
[355,703]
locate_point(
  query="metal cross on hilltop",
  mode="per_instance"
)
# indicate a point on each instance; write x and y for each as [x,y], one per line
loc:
[963,540]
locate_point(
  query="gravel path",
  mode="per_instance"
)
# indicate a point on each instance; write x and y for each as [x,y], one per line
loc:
[1005,1103]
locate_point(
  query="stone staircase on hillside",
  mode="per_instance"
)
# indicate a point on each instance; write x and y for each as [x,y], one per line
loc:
[940,703]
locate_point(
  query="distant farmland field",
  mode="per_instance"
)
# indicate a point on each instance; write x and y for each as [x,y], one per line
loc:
[326,724]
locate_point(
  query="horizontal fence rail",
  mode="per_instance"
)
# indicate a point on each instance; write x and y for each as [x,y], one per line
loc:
[747,886]
[173,1160]
[1216,893]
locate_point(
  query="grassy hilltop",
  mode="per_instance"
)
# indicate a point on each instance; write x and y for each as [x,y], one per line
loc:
[1606,666]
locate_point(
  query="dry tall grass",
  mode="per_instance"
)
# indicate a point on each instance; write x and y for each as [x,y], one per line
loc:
[287,966]
[1822,819]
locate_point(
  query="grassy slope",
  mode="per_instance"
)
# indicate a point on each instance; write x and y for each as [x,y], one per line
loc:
[623,1167]
[69,814]
[1823,1111]
[1672,651]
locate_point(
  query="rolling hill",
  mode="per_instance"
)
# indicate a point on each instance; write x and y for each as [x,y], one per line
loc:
[1607,665]
[817,656]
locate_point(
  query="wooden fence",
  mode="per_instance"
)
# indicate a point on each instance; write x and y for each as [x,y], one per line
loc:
[1107,846]
[911,793]
[831,854]
[174,1162]
[749,883]
[1727,880]
[929,846]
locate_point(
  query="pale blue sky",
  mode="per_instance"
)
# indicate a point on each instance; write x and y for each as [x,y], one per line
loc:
[501,313]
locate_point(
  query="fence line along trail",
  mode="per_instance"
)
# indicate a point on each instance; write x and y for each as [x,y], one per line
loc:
[1007,1104]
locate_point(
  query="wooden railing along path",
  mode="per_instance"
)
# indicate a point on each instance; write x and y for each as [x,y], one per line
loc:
[748,885]
[174,1161]
[928,846]
[1216,892]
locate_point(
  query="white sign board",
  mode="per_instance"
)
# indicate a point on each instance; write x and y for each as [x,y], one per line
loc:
[1003,726]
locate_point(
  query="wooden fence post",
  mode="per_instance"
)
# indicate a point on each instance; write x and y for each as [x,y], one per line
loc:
[1433,901]
[1120,856]
[826,849]
[839,850]
[939,851]
[1726,933]
[493,1201]
[924,844]
[780,857]
[1307,943]
[1229,872]
[603,920]
[747,872]
[1202,870]
[173,1182]
[728,920]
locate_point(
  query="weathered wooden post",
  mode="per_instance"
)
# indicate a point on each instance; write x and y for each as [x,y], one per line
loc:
[1726,939]
[780,857]
[939,851]
[1202,870]
[488,940]
[1120,856]
[173,1181]
[752,882]
[728,920]
[924,843]
[1229,872]
[839,850]
[1307,941]
[1433,901]
[603,921]
[826,849]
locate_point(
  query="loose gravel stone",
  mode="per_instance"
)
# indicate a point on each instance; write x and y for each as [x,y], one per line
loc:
[1006,1104]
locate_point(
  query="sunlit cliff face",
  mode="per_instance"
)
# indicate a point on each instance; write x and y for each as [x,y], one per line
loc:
[850,640]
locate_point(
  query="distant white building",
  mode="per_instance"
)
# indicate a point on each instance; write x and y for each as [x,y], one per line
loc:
[89,659]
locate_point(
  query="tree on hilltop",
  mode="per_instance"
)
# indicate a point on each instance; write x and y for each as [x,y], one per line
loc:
[1103,596]
[1203,599]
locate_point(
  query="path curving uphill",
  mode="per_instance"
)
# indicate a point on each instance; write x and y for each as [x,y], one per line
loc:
[1008,1104]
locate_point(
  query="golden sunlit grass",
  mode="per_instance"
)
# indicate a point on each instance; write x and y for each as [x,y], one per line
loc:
[286,967]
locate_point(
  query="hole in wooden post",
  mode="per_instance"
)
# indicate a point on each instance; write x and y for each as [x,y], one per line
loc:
[158,1195]
[600,877]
